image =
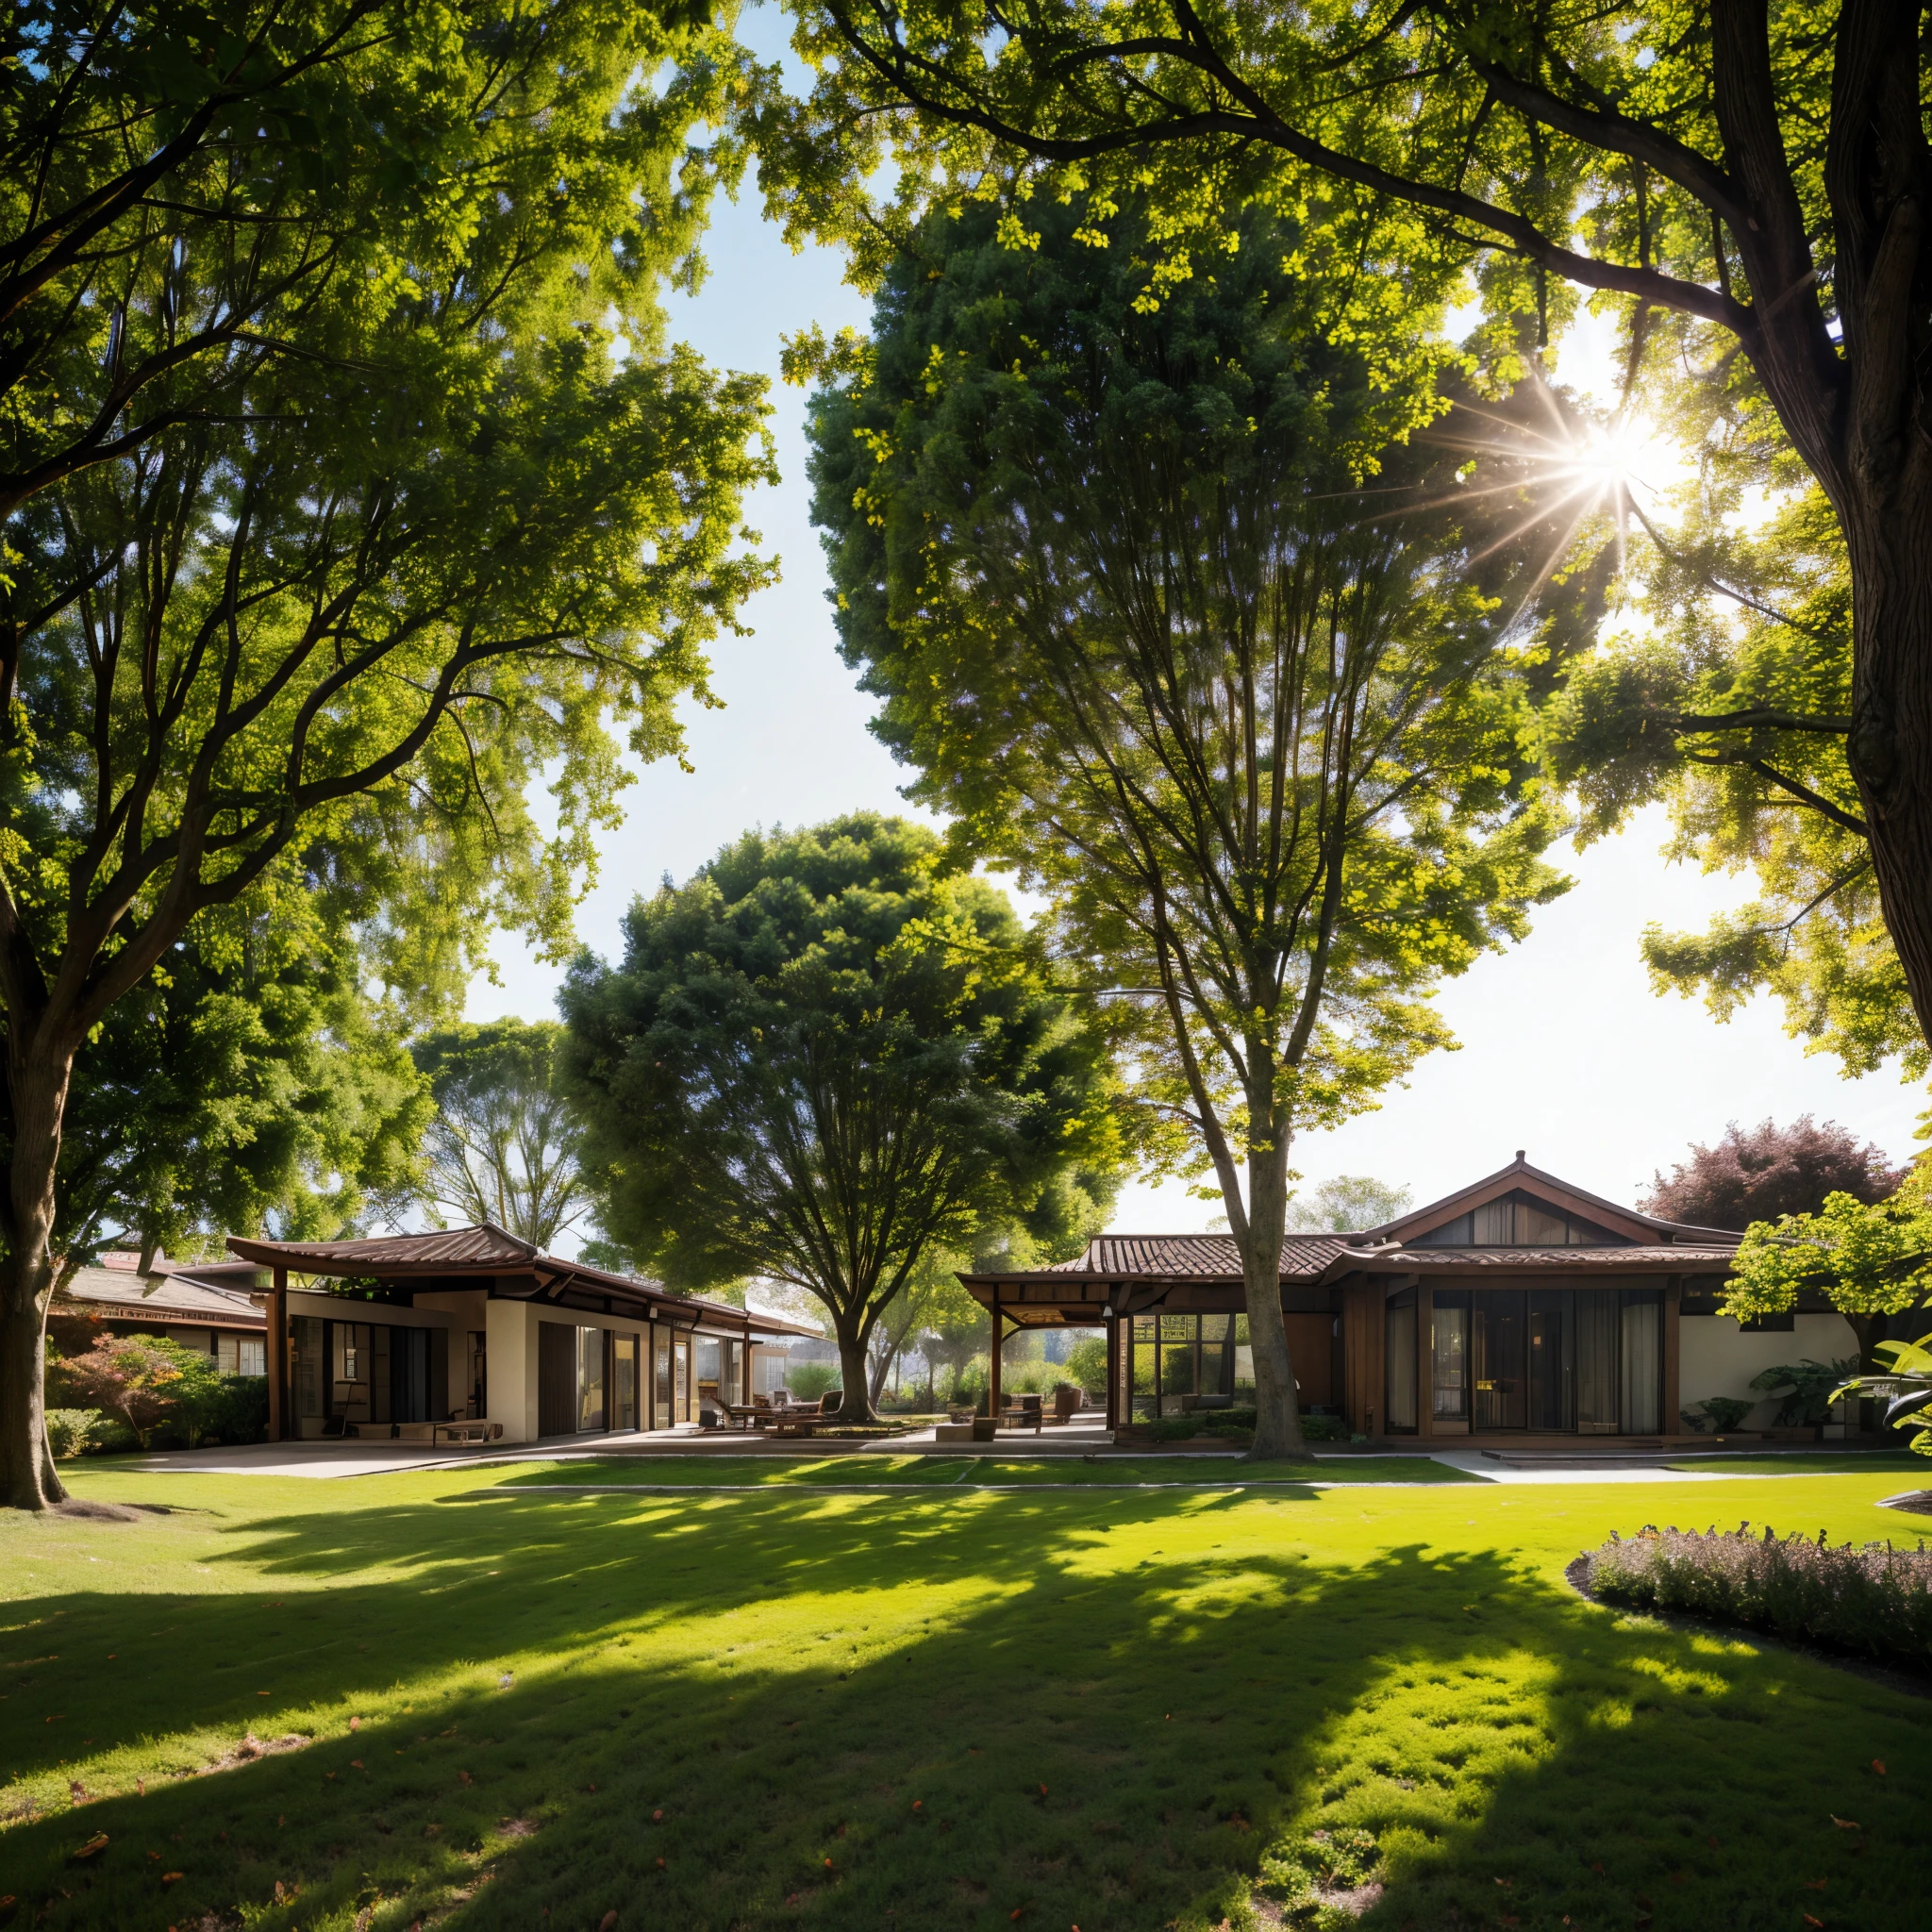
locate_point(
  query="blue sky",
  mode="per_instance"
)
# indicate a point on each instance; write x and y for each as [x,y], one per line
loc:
[1565,1050]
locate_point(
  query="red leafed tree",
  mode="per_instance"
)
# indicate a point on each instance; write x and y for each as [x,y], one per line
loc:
[1757,1173]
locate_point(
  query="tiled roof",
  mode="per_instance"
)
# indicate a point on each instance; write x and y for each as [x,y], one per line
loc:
[1212,1256]
[482,1250]
[1609,1258]
[484,1246]
[115,1292]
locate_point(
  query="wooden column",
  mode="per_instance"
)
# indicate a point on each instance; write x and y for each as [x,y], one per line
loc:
[1113,1371]
[744,1372]
[992,1372]
[278,1390]
[1671,1421]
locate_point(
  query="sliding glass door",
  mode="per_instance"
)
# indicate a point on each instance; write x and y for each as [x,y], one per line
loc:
[1585,1360]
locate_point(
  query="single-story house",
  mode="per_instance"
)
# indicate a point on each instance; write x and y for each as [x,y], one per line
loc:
[209,1309]
[472,1324]
[1520,1305]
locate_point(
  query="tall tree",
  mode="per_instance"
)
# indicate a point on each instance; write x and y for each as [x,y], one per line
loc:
[825,1056]
[1094,553]
[349,485]
[505,1143]
[1766,1170]
[1352,1203]
[1746,184]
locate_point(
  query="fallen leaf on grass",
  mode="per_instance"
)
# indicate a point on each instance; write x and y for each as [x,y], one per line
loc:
[94,1847]
[1844,1824]
[170,1877]
[1879,1765]
[355,1723]
[657,1816]
[1814,1885]
[355,1764]
[1818,1923]
[605,1924]
[466,1777]
[660,1864]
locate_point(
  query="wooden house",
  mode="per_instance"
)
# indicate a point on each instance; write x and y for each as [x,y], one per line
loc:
[471,1323]
[1519,1305]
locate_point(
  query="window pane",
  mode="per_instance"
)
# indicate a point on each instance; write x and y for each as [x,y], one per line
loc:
[1400,1377]
[1596,1361]
[1496,1225]
[1536,1227]
[1643,1363]
[1448,1383]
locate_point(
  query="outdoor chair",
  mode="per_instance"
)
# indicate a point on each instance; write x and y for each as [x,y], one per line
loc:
[1067,1403]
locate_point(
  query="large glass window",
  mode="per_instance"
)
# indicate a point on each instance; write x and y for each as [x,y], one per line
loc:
[1449,1362]
[1596,1321]
[1499,1346]
[589,1378]
[1400,1331]
[1642,1393]
[661,1378]
[1552,1365]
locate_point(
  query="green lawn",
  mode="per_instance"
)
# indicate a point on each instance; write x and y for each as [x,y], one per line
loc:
[1817,1462]
[942,1708]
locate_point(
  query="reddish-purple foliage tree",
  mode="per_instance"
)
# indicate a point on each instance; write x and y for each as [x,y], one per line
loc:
[1762,1172]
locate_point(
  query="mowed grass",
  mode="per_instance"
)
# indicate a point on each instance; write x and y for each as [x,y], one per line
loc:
[1190,1468]
[941,1707]
[1817,1462]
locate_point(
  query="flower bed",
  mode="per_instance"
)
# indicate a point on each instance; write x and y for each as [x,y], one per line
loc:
[1874,1602]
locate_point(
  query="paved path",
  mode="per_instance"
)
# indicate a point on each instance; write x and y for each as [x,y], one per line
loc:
[344,1459]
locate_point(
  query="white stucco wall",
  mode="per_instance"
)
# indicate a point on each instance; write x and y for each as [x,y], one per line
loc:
[1716,1357]
[511,1339]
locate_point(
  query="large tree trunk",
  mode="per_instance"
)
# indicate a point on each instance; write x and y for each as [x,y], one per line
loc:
[1277,1403]
[1889,533]
[28,1269]
[852,1367]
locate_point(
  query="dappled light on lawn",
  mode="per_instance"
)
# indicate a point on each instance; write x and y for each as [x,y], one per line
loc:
[1119,1709]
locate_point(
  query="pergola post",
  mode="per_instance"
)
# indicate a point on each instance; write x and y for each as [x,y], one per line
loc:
[1114,1368]
[278,1357]
[992,1387]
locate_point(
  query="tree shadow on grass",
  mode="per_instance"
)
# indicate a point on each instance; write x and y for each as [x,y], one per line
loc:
[928,1711]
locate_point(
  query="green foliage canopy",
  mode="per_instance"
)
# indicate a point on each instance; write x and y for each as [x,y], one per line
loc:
[1872,1262]
[1102,561]
[825,1056]
[350,483]
[504,1145]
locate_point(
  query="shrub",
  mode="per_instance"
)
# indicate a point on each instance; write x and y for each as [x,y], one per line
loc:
[72,1431]
[1720,1414]
[1235,1421]
[1874,1601]
[808,1381]
[1811,1386]
[1086,1362]
[144,1379]
[233,1409]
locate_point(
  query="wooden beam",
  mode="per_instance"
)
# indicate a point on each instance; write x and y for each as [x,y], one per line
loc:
[992,1380]
[278,1390]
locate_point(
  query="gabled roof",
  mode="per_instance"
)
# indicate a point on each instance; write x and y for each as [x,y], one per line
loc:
[443,1251]
[1564,1195]
[1322,1257]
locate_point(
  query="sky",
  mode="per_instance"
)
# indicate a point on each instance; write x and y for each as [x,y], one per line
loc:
[1565,1053]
